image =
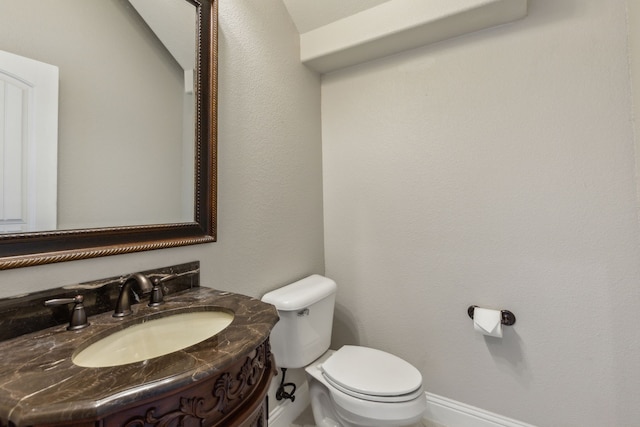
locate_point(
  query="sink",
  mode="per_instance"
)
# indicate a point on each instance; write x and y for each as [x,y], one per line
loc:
[153,338]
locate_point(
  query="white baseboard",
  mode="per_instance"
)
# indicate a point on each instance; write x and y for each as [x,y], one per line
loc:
[283,413]
[442,411]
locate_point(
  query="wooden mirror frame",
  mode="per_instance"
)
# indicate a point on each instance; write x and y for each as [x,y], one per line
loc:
[27,249]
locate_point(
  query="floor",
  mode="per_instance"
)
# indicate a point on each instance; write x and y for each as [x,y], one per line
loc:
[306,420]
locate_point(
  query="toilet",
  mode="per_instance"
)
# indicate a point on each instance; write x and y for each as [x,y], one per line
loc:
[352,387]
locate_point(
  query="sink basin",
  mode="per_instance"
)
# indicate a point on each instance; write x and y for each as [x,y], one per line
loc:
[153,338]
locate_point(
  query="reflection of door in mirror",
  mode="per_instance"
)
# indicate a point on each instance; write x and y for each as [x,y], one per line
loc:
[28,144]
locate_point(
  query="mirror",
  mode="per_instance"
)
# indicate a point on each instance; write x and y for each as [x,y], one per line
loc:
[144,178]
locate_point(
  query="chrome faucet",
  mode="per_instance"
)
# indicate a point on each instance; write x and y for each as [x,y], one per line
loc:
[123,305]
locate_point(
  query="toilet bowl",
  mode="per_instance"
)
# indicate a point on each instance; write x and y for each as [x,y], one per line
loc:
[352,387]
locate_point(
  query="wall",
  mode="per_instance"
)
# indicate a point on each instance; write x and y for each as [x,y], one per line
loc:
[311,14]
[269,177]
[494,169]
[634,62]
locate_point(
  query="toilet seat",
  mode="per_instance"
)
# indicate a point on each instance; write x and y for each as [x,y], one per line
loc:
[372,374]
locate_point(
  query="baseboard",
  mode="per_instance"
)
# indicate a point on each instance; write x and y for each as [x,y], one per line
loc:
[442,411]
[283,413]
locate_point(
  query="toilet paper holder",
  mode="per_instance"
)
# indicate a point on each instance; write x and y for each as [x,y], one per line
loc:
[508,318]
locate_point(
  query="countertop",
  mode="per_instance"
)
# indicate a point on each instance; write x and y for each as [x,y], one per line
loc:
[39,383]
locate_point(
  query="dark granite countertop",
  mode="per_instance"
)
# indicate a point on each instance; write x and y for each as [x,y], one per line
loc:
[40,384]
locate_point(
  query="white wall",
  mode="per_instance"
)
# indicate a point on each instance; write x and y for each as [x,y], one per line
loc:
[495,169]
[269,171]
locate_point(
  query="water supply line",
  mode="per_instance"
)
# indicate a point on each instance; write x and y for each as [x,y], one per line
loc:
[281,393]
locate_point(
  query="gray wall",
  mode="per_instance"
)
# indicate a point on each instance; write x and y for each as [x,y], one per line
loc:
[494,169]
[269,178]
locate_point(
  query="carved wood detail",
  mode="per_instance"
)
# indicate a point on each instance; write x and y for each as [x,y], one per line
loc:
[233,397]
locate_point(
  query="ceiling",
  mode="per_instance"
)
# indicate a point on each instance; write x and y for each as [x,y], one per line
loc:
[311,14]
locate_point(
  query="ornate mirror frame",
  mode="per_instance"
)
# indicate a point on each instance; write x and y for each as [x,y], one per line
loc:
[27,249]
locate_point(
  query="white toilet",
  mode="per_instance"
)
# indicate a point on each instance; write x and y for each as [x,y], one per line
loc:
[353,386]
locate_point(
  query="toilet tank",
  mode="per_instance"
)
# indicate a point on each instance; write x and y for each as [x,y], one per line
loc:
[306,317]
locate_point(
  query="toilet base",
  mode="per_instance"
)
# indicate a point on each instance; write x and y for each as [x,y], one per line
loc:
[333,408]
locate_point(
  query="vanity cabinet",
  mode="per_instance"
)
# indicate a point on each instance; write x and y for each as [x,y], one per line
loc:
[236,397]
[220,381]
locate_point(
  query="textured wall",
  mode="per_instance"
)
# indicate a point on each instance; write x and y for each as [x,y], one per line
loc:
[270,185]
[494,169]
[311,14]
[634,60]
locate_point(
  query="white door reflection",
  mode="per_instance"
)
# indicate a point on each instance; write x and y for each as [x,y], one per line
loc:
[28,144]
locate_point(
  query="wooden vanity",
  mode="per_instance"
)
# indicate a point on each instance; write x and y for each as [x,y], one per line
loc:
[234,397]
[221,381]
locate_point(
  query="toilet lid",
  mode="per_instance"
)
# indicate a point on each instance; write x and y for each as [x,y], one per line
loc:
[371,372]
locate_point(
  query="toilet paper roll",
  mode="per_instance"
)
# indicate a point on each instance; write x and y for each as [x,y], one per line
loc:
[488,322]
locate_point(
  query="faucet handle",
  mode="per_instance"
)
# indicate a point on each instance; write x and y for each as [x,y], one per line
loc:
[78,314]
[157,296]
